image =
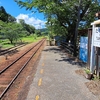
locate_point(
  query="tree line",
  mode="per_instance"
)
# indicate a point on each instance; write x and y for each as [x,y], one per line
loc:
[12,30]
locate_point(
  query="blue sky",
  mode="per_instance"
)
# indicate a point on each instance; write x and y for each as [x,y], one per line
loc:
[35,19]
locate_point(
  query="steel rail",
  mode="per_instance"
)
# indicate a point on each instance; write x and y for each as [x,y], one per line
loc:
[10,49]
[18,58]
[20,71]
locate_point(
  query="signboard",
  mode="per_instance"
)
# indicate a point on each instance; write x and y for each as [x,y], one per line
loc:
[83,55]
[96,38]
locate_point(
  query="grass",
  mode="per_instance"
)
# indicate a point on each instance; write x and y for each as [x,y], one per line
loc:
[7,46]
[5,43]
[96,78]
[31,39]
[28,39]
[87,71]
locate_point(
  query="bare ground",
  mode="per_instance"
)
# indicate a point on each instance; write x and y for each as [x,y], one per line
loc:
[92,85]
[19,90]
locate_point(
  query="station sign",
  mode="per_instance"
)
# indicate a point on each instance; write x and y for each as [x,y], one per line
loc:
[96,37]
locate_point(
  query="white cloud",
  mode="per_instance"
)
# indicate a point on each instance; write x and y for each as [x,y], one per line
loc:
[37,23]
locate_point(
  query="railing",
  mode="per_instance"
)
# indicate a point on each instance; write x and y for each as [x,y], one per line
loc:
[69,47]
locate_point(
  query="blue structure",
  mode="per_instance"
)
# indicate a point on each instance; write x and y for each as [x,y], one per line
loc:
[83,52]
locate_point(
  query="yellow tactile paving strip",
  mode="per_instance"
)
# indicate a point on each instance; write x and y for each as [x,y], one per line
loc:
[40,80]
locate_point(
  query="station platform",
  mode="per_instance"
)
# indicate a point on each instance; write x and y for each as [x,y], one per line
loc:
[55,78]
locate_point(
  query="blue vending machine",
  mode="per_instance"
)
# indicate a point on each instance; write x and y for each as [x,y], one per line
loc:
[83,52]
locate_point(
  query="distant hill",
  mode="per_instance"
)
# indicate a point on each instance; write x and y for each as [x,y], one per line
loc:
[44,30]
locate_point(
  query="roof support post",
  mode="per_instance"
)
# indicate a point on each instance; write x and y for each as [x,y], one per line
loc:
[92,57]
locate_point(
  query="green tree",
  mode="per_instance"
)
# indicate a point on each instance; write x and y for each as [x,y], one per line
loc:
[11,18]
[12,31]
[68,14]
[29,28]
[4,16]
[38,32]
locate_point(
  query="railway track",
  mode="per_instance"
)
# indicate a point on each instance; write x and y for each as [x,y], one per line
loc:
[9,50]
[9,74]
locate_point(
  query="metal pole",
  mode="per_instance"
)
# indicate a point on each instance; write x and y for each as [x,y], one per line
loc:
[96,60]
[92,57]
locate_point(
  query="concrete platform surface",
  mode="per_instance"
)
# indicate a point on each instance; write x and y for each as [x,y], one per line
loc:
[56,79]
